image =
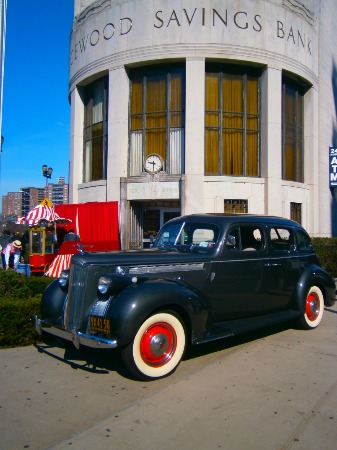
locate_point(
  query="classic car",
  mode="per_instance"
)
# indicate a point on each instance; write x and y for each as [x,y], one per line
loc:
[206,277]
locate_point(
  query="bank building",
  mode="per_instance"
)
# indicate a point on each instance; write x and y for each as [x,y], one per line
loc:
[193,106]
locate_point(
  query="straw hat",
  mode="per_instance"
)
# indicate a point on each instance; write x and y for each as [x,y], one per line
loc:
[17,244]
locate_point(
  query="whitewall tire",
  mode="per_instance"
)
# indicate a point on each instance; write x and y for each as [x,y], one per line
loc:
[314,308]
[157,348]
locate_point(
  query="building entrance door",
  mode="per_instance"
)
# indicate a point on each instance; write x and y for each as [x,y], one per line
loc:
[153,220]
[146,219]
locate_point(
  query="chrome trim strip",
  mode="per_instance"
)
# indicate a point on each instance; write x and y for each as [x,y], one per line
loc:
[76,337]
[166,268]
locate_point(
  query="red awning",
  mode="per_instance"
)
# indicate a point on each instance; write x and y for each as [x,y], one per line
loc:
[41,213]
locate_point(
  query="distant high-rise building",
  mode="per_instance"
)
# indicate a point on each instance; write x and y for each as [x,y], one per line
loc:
[57,193]
[12,204]
[31,197]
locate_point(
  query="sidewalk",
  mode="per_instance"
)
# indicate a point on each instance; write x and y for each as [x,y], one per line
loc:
[276,390]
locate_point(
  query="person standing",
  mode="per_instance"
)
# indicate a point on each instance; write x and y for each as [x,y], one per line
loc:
[4,240]
[11,255]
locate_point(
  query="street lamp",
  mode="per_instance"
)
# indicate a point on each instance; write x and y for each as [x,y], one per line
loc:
[46,172]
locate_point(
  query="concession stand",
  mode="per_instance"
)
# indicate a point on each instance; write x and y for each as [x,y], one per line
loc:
[95,223]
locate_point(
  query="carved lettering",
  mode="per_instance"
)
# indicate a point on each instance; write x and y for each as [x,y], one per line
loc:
[161,22]
[257,26]
[245,25]
[174,18]
[83,43]
[215,13]
[291,35]
[189,20]
[108,31]
[280,32]
[125,25]
[193,17]
[94,38]
[296,38]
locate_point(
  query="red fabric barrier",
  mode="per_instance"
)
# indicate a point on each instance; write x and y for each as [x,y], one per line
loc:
[93,221]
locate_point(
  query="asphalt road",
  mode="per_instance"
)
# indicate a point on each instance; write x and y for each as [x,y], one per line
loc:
[275,389]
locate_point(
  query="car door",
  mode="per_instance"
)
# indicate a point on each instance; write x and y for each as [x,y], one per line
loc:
[284,266]
[248,281]
[239,287]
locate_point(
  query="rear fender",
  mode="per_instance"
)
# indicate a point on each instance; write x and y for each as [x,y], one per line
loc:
[131,307]
[315,276]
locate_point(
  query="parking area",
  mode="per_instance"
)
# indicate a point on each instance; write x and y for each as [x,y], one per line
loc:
[274,389]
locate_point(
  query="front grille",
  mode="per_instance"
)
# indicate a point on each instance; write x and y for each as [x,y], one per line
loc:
[73,313]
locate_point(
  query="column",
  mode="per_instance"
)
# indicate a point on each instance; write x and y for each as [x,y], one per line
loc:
[271,140]
[76,145]
[193,189]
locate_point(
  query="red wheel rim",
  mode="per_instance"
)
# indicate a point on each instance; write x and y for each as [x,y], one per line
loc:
[158,344]
[313,306]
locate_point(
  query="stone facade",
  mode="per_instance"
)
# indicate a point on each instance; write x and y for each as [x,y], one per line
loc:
[111,38]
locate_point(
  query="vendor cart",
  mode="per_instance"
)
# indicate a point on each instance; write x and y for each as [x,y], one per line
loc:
[41,247]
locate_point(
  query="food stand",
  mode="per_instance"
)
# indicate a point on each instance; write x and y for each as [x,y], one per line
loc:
[95,222]
[42,221]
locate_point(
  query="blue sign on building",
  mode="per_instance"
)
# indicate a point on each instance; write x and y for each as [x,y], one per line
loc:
[333,167]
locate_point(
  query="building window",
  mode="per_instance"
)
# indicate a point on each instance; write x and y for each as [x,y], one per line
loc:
[235,206]
[232,122]
[95,130]
[296,212]
[157,116]
[292,131]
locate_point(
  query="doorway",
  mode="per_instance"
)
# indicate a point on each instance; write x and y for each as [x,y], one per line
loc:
[147,219]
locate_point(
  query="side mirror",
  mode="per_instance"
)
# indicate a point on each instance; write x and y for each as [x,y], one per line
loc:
[230,241]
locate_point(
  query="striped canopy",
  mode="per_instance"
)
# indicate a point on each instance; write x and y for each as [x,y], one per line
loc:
[41,213]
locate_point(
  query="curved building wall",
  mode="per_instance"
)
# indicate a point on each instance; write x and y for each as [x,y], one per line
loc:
[248,115]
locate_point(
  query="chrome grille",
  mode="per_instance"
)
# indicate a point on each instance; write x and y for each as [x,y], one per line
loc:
[73,313]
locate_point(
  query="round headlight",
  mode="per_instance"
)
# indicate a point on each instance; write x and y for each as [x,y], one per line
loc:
[104,284]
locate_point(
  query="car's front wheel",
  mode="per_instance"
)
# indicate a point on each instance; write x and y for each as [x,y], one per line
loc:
[314,308]
[157,348]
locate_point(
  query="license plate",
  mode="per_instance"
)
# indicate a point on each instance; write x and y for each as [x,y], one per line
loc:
[100,324]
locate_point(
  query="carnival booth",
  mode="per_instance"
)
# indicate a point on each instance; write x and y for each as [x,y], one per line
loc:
[42,221]
[95,224]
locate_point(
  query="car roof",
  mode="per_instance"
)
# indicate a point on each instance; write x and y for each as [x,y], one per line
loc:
[228,219]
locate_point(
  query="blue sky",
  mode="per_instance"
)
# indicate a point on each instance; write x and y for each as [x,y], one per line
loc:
[36,111]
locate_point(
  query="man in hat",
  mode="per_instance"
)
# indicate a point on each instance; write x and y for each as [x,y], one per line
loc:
[11,255]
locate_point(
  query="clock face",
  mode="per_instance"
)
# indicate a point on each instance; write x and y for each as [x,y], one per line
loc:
[153,163]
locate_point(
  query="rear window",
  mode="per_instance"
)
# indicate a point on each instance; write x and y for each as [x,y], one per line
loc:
[281,239]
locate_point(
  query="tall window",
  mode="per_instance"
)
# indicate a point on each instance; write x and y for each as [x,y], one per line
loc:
[95,130]
[232,116]
[157,118]
[292,131]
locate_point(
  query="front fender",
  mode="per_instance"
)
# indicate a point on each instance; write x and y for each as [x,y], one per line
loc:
[316,276]
[52,303]
[130,308]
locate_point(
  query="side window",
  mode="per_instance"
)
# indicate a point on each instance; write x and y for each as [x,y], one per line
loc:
[245,238]
[303,242]
[281,239]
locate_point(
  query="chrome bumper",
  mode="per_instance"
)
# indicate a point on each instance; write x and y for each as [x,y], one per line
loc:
[76,337]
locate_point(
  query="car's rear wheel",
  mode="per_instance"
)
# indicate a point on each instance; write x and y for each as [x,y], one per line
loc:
[314,308]
[157,348]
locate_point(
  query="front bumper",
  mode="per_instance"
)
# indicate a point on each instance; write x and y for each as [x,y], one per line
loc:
[75,336]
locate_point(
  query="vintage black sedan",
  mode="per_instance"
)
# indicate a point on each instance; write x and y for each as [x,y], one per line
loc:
[207,277]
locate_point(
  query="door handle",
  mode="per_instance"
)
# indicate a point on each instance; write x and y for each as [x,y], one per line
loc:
[270,265]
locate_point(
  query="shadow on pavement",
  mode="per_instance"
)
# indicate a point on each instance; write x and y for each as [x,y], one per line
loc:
[104,361]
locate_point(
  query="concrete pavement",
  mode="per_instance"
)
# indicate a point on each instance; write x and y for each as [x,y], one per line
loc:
[275,389]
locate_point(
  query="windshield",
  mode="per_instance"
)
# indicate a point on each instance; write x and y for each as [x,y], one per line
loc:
[185,237]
